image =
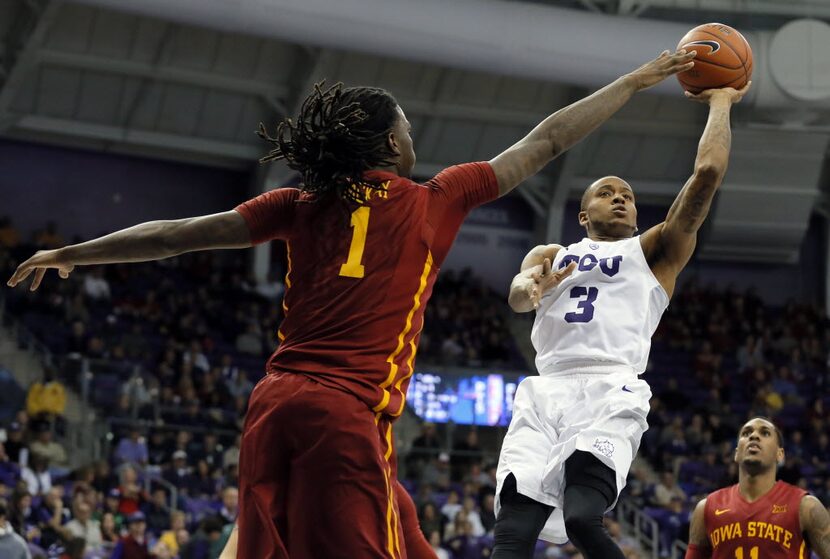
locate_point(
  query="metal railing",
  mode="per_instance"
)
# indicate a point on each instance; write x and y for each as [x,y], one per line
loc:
[150,477]
[678,549]
[645,528]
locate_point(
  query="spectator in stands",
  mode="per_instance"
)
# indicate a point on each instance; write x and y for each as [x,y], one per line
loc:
[178,473]
[437,472]
[196,357]
[15,446]
[83,526]
[666,489]
[157,512]
[12,546]
[470,510]
[132,496]
[451,507]
[132,448]
[51,516]
[109,530]
[96,287]
[134,544]
[46,399]
[36,475]
[431,520]
[435,543]
[250,341]
[172,537]
[230,504]
[200,482]
[48,448]
[9,471]
[205,543]
[9,236]
[231,455]
[48,237]
[240,386]
[465,453]
[487,513]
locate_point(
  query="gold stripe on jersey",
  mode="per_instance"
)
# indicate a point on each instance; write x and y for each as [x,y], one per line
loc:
[387,455]
[393,366]
[393,544]
[280,335]
[409,369]
[801,550]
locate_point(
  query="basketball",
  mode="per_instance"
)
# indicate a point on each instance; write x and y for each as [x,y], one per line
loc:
[724,58]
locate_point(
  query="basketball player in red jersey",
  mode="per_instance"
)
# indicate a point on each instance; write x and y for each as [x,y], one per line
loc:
[317,465]
[759,518]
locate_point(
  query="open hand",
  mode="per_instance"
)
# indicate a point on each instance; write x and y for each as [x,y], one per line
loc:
[665,65]
[733,95]
[39,263]
[544,280]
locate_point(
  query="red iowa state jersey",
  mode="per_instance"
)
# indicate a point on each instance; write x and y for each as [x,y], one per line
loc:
[357,284]
[768,528]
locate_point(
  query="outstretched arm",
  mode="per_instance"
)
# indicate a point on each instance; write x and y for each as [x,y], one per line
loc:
[152,240]
[229,552]
[815,524]
[669,245]
[564,128]
[699,545]
[535,278]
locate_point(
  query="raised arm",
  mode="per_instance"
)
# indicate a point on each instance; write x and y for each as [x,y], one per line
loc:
[535,278]
[815,524]
[669,245]
[564,128]
[699,545]
[152,240]
[229,551]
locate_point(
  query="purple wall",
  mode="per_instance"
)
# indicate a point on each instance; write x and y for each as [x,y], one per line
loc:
[88,193]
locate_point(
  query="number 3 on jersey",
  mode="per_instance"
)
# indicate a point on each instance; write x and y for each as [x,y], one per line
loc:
[753,553]
[360,226]
[586,307]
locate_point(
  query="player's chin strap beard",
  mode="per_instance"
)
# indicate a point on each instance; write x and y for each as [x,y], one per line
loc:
[754,467]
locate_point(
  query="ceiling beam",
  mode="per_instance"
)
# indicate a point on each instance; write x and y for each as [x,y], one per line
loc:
[19,62]
[134,69]
[529,119]
[802,8]
[141,138]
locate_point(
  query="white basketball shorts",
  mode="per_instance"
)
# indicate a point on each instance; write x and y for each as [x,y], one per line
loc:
[604,414]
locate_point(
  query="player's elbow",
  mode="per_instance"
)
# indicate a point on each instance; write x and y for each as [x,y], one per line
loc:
[710,173]
[519,301]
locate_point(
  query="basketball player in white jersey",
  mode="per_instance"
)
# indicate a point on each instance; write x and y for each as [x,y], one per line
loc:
[577,426]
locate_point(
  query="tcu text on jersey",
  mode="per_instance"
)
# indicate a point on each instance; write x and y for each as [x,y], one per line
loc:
[609,265]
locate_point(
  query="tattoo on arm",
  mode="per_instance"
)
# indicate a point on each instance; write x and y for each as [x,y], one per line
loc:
[692,204]
[817,526]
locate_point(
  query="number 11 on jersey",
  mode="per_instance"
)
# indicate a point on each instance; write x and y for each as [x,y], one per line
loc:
[360,226]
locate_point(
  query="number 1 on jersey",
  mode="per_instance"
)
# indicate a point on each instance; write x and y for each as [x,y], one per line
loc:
[360,226]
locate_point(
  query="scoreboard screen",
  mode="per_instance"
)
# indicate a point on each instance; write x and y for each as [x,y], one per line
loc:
[466,399]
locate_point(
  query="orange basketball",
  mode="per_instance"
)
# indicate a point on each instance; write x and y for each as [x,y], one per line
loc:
[724,58]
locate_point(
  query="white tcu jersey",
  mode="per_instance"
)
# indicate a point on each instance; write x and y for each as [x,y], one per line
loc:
[604,313]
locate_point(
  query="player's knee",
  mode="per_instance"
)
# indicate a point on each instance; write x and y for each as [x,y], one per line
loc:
[582,525]
[514,532]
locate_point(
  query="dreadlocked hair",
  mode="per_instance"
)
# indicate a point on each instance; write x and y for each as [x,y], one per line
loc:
[338,135]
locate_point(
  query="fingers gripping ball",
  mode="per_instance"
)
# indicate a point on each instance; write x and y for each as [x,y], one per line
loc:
[724,58]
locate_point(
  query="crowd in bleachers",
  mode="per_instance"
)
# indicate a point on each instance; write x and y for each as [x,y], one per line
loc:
[175,347]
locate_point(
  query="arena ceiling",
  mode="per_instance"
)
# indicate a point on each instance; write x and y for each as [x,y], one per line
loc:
[88,76]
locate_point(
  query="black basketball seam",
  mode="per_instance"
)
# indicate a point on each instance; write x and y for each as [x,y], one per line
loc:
[732,49]
[701,88]
[720,65]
